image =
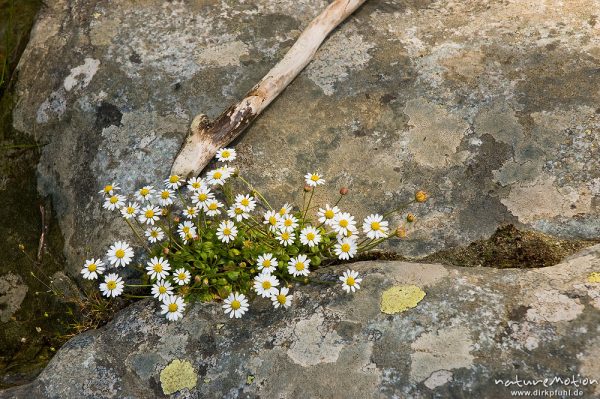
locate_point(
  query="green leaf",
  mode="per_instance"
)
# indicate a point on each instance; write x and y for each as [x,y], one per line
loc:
[315,261]
[233,275]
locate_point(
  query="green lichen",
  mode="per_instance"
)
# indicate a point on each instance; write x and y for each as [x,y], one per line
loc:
[178,375]
[400,298]
[594,277]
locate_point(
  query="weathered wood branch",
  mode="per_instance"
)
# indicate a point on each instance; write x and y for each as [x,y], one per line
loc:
[205,137]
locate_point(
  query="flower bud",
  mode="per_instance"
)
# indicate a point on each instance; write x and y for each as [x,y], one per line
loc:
[176,219]
[205,281]
[421,196]
[197,279]
[307,188]
[242,265]
[410,218]
[401,232]
[166,251]
[344,190]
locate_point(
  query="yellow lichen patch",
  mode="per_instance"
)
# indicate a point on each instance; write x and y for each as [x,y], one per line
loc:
[400,298]
[594,277]
[178,375]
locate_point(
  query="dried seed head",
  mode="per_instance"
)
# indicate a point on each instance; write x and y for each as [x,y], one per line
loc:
[344,190]
[410,218]
[421,196]
[401,232]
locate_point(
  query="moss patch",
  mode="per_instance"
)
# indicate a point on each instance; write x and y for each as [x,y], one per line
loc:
[510,247]
[400,298]
[178,375]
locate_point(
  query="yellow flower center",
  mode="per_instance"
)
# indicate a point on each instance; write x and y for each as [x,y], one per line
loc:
[186,229]
[92,267]
[346,247]
[281,299]
[282,211]
[173,307]
[329,214]
[114,199]
[120,253]
[245,201]
[182,276]
[375,226]
[162,289]
[130,210]
[266,263]
[158,268]
[212,206]
[154,233]
[310,236]
[144,191]
[111,285]
[238,211]
[288,222]
[226,231]
[217,175]
[266,285]
[344,223]
[299,266]
[285,236]
[314,177]
[225,154]
[108,188]
[350,281]
[273,220]
[165,194]
[196,184]
[173,179]
[149,213]
[202,197]
[235,305]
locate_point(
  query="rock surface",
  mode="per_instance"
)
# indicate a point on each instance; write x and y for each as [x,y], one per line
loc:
[490,106]
[472,328]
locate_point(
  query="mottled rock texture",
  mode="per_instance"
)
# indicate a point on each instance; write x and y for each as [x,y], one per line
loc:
[474,326]
[490,106]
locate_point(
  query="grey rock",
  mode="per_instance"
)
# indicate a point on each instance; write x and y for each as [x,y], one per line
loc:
[475,329]
[489,106]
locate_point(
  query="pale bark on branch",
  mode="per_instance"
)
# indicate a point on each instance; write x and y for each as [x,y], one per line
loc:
[205,137]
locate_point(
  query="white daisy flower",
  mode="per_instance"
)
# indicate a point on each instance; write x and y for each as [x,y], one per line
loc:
[298,266]
[313,179]
[350,281]
[310,236]
[266,263]
[327,215]
[155,234]
[247,202]
[238,213]
[202,196]
[186,230]
[181,276]
[281,298]
[235,305]
[109,189]
[149,214]
[112,286]
[226,231]
[285,209]
[345,249]
[130,210]
[218,176]
[351,232]
[173,306]
[288,223]
[165,197]
[226,155]
[120,254]
[196,183]
[264,284]
[162,289]
[92,268]
[115,201]
[174,182]
[271,218]
[158,268]
[285,238]
[190,212]
[145,193]
[375,227]
[212,207]
[343,222]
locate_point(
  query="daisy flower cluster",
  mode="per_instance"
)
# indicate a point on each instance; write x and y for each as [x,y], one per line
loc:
[217,238]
